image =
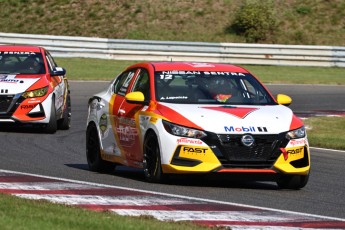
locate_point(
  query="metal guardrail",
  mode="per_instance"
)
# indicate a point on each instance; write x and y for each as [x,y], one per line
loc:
[146,50]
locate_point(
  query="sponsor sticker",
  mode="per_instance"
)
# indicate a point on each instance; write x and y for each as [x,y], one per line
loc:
[185,140]
[244,129]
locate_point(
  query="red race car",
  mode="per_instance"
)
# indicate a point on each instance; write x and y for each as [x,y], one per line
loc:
[33,89]
[184,118]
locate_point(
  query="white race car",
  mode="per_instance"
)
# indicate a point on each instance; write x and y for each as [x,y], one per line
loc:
[33,89]
[183,118]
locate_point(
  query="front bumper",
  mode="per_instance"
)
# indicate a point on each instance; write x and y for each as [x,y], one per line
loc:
[271,154]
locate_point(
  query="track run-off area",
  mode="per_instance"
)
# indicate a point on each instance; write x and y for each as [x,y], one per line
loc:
[34,165]
[164,207]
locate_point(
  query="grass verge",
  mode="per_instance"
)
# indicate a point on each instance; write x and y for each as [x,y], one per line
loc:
[326,132]
[102,69]
[17,213]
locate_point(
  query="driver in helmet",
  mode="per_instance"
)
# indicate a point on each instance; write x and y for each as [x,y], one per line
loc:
[219,88]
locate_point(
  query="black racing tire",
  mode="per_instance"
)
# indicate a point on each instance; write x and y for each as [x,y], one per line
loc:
[152,160]
[93,152]
[52,125]
[293,181]
[65,122]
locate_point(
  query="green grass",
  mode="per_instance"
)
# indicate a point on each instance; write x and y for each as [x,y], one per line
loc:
[304,22]
[17,213]
[103,69]
[326,132]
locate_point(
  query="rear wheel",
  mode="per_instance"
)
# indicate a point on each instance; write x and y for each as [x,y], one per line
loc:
[93,152]
[52,125]
[152,159]
[293,181]
[65,122]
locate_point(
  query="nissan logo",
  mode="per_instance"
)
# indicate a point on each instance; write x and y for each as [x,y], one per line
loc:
[247,140]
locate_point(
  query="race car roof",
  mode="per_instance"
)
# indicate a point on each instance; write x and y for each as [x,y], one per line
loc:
[191,66]
[20,48]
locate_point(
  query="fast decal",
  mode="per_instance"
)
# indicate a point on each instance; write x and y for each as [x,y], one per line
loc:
[244,129]
[293,152]
[194,150]
[232,110]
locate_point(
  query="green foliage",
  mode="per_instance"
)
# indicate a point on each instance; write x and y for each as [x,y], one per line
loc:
[255,20]
[303,10]
[302,22]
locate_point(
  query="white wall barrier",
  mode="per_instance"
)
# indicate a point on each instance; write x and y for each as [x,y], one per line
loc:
[146,50]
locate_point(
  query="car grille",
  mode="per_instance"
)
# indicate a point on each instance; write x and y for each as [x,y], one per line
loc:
[233,154]
[5,102]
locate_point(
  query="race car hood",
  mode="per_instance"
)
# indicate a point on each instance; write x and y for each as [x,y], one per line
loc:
[14,84]
[225,119]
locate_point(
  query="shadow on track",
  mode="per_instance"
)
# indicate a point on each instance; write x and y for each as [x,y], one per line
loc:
[195,180]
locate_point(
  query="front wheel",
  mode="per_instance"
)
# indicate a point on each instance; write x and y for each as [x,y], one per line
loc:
[293,181]
[65,122]
[52,125]
[93,152]
[152,159]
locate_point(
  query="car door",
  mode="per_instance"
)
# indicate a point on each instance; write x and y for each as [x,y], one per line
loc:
[121,127]
[127,124]
[58,82]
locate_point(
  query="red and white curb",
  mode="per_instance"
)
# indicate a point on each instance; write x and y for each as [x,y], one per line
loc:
[165,207]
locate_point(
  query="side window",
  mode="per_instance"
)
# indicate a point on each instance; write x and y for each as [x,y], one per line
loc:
[122,82]
[51,62]
[142,84]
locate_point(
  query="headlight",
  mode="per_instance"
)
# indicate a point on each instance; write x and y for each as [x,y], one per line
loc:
[36,93]
[297,133]
[182,131]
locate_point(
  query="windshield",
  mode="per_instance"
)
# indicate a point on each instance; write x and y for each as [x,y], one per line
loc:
[199,87]
[21,63]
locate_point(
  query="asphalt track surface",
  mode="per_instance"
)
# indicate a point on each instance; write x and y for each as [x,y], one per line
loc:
[63,155]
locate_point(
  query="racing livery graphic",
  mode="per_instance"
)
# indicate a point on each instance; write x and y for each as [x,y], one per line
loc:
[196,118]
[33,89]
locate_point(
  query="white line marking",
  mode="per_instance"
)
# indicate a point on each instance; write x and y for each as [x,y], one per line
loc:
[179,196]
[180,215]
[44,186]
[106,200]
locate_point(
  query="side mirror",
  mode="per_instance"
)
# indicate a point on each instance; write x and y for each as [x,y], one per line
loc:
[58,71]
[136,97]
[283,99]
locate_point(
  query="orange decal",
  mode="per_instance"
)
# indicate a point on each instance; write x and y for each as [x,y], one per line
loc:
[174,116]
[295,123]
